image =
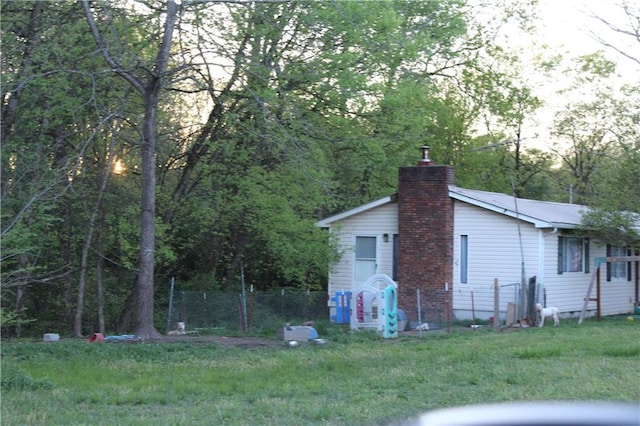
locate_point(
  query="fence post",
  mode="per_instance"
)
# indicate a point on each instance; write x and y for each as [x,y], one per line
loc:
[243,325]
[446,295]
[419,309]
[496,305]
[244,297]
[251,308]
[173,281]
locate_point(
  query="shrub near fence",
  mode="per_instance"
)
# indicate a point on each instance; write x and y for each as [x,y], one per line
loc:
[254,312]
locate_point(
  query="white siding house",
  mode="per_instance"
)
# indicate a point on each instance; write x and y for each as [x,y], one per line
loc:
[495,237]
[378,221]
[509,237]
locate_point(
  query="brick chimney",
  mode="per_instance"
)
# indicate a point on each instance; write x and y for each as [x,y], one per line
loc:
[425,238]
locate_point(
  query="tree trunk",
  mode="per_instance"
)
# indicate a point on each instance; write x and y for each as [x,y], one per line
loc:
[144,326]
[124,321]
[20,295]
[100,284]
[20,290]
[77,320]
[77,323]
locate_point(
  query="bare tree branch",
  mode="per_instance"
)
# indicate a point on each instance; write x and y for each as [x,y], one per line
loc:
[137,84]
[632,31]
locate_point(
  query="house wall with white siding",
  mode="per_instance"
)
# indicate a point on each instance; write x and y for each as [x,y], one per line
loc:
[567,291]
[375,223]
[617,295]
[494,252]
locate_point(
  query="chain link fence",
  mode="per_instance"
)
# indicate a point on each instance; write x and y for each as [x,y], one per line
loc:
[475,303]
[252,312]
[265,312]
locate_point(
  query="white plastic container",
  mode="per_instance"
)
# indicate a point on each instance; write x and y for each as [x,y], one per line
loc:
[51,337]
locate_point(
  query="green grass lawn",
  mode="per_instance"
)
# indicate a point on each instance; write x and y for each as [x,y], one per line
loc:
[354,379]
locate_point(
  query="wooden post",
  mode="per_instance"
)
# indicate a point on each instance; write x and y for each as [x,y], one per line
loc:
[598,317]
[446,295]
[251,308]
[473,310]
[496,305]
[588,298]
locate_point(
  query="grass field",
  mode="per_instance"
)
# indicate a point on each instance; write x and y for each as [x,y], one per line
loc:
[353,379]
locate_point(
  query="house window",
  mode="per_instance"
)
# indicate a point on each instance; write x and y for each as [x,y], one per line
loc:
[365,265]
[618,271]
[571,251]
[464,253]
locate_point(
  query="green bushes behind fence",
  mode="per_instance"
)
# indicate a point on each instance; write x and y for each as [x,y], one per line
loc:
[252,312]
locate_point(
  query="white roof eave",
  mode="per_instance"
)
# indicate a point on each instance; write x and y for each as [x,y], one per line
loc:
[326,222]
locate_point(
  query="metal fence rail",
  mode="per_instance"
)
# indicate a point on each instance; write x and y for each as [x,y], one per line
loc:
[252,312]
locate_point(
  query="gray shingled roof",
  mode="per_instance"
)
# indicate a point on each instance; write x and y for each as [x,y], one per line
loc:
[543,214]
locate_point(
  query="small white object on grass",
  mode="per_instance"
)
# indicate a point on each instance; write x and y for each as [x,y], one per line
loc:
[51,337]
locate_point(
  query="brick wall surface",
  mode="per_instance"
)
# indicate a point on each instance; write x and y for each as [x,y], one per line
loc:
[425,237]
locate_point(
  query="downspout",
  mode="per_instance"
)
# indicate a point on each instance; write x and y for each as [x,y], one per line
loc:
[541,253]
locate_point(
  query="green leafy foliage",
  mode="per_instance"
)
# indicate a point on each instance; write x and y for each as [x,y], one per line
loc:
[11,318]
[271,116]
[614,227]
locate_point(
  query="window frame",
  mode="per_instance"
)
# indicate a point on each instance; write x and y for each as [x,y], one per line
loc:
[571,247]
[618,271]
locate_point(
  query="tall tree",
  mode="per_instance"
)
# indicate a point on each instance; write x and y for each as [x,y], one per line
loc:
[149,85]
[585,128]
[291,114]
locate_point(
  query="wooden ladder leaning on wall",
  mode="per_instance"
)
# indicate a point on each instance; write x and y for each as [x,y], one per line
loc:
[595,278]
